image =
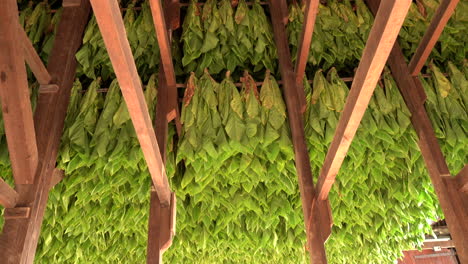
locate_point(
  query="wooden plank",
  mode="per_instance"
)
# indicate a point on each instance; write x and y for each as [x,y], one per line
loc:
[18,241]
[14,93]
[164,42]
[304,48]
[441,244]
[32,58]
[384,32]
[8,196]
[433,32]
[17,213]
[306,185]
[451,201]
[112,29]
[48,88]
[462,179]
[154,254]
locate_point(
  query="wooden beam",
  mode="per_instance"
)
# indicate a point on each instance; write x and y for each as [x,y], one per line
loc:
[441,244]
[313,229]
[32,58]
[451,200]
[438,22]
[111,25]
[304,48]
[161,223]
[8,196]
[14,93]
[18,241]
[384,32]
[462,179]
[17,213]
[164,42]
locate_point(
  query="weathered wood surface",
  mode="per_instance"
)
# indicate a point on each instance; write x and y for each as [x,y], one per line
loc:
[18,241]
[383,35]
[8,196]
[433,32]
[14,94]
[111,25]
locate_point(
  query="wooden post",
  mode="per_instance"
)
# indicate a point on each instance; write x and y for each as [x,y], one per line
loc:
[14,93]
[111,25]
[387,24]
[166,59]
[317,228]
[18,241]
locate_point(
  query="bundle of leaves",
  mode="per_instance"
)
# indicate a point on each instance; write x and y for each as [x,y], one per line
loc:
[219,38]
[93,58]
[341,31]
[382,197]
[239,179]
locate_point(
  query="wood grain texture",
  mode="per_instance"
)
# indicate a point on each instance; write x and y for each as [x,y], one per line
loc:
[164,42]
[32,58]
[384,32]
[310,16]
[112,29]
[433,32]
[313,228]
[8,196]
[452,201]
[18,240]
[14,93]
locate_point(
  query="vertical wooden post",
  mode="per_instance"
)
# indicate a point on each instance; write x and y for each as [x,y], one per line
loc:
[14,93]
[18,240]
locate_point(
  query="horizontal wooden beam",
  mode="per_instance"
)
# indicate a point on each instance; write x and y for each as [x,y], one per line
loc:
[14,93]
[17,213]
[32,58]
[311,11]
[8,196]
[112,29]
[384,32]
[438,22]
[20,235]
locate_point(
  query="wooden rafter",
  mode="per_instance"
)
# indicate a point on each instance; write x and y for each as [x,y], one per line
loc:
[111,25]
[32,58]
[166,60]
[384,32]
[14,93]
[304,48]
[8,196]
[318,229]
[453,202]
[22,226]
[438,22]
